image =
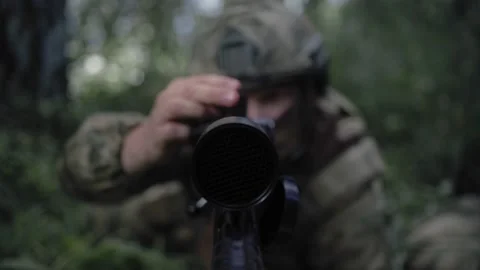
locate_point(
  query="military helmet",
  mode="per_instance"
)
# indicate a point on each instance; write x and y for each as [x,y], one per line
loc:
[259,41]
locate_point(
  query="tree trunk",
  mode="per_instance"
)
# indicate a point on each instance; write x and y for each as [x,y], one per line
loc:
[33,81]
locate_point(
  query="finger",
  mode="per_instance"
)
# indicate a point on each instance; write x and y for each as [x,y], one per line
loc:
[177,108]
[216,80]
[211,95]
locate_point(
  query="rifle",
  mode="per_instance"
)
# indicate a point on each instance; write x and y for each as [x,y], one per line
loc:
[235,170]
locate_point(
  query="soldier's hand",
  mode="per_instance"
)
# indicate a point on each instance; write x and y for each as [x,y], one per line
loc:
[192,97]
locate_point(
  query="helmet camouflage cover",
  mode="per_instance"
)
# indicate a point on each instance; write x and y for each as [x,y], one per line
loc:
[253,38]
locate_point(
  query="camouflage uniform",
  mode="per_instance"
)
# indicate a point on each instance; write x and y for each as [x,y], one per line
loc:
[341,224]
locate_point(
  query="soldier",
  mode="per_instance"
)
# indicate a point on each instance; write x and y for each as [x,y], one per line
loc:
[450,238]
[139,163]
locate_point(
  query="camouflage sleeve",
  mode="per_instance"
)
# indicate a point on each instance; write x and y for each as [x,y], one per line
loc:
[344,223]
[344,205]
[449,239]
[90,168]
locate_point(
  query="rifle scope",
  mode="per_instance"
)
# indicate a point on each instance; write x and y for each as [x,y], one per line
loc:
[235,169]
[235,164]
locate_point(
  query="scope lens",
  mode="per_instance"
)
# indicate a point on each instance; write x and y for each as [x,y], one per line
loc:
[235,165]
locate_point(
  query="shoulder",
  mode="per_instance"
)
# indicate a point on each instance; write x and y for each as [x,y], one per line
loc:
[354,158]
[349,121]
[336,102]
[342,130]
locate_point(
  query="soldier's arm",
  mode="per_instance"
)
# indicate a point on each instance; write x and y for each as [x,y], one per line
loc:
[345,226]
[91,168]
[448,239]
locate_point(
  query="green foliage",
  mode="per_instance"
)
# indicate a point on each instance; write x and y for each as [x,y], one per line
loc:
[397,65]
[40,227]
[110,254]
[43,228]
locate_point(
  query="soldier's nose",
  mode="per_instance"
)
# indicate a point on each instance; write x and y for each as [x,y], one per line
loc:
[253,109]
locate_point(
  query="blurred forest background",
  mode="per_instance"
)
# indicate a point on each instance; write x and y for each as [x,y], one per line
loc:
[411,66]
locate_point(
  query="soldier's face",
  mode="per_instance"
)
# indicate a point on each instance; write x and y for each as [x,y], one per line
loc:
[271,103]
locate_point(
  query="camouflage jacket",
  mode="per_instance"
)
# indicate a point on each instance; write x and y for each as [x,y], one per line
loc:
[341,224]
[449,239]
